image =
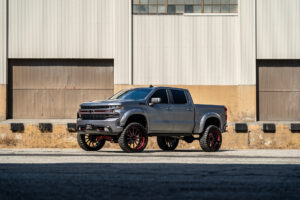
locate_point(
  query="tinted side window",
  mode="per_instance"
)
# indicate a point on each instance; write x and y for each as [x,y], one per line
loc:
[179,97]
[161,94]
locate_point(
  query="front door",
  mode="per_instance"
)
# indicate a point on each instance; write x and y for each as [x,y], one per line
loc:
[182,116]
[159,114]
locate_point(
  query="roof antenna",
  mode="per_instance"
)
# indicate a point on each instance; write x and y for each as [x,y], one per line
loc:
[151,86]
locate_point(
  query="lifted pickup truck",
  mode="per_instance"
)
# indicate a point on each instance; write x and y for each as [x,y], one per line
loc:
[131,116]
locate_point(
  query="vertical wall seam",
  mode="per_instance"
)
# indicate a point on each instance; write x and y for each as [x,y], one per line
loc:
[6,41]
[7,65]
[255,29]
[256,67]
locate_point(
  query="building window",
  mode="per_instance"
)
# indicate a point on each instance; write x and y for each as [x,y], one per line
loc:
[184,6]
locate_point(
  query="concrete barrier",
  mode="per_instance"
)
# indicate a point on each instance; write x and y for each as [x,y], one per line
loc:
[60,137]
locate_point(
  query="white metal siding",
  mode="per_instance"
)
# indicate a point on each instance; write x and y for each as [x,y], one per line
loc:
[195,50]
[2,41]
[61,29]
[278,29]
[122,61]
[190,50]
[248,42]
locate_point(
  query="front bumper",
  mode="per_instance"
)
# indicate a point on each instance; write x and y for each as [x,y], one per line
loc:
[99,127]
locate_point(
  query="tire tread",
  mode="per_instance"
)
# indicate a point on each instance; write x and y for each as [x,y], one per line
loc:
[203,139]
[123,144]
[85,146]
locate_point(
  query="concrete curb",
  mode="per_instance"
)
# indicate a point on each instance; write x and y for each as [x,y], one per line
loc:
[238,136]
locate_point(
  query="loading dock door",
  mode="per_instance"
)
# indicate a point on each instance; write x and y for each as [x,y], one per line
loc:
[279,93]
[53,89]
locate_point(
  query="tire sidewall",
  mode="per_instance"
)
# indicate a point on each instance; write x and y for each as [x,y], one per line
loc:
[122,139]
[204,139]
[83,144]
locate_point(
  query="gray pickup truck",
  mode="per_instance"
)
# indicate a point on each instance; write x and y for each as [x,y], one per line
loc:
[131,116]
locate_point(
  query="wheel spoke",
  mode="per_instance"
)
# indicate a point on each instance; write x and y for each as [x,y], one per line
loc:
[214,140]
[91,140]
[129,134]
[134,138]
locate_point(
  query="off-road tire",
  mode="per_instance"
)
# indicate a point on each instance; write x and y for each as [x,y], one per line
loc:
[125,139]
[167,143]
[211,140]
[82,141]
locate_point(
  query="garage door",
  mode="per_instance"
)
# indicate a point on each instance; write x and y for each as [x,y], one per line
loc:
[279,93]
[54,89]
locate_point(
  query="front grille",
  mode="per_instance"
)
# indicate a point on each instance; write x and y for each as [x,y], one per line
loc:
[94,107]
[98,116]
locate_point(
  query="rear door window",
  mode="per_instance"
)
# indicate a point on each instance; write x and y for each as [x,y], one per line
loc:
[179,97]
[161,93]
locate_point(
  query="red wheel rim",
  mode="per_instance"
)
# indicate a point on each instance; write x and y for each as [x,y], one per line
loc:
[135,138]
[91,140]
[214,139]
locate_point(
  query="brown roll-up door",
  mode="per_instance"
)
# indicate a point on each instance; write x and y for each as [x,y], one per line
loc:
[279,93]
[54,89]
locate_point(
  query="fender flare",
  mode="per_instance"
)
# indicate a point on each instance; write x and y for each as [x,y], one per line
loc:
[136,111]
[206,117]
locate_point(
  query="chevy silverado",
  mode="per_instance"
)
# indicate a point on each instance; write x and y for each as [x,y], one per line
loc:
[131,116]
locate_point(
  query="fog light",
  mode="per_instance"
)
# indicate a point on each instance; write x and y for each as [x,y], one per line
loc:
[106,129]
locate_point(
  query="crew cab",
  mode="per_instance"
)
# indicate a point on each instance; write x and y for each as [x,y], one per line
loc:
[131,116]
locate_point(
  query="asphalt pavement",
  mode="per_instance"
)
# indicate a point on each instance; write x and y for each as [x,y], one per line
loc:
[183,174]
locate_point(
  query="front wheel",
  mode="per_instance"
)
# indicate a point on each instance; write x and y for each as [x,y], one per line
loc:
[167,143]
[134,138]
[211,139]
[90,142]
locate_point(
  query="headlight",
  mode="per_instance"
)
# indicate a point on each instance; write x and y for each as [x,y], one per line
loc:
[119,107]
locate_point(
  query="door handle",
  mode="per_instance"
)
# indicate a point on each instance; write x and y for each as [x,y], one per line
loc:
[189,109]
[168,108]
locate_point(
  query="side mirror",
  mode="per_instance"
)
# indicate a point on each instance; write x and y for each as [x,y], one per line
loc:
[154,101]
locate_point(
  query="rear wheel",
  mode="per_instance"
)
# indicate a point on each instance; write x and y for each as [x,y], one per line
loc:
[134,138]
[90,142]
[211,140]
[167,143]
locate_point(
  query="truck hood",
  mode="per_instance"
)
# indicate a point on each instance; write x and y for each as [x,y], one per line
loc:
[110,102]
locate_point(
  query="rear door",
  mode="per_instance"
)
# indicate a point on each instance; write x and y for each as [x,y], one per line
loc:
[182,110]
[158,114]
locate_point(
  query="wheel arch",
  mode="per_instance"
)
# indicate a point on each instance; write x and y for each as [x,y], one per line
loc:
[210,119]
[135,115]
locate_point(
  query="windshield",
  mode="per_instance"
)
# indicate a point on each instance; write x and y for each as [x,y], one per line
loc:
[134,94]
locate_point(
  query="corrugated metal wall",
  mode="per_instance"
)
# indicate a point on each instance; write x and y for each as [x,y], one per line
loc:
[206,50]
[72,29]
[122,61]
[248,42]
[2,41]
[61,29]
[278,29]
[195,50]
